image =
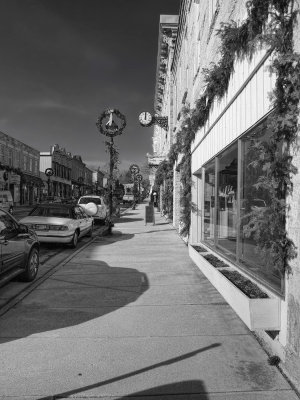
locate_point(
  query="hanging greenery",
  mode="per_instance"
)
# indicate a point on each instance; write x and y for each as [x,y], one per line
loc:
[269,23]
[164,180]
[114,159]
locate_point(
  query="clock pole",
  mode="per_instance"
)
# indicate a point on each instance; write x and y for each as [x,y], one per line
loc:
[111,129]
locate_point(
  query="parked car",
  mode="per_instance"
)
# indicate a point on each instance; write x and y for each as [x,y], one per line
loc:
[19,250]
[128,198]
[102,212]
[59,223]
[6,201]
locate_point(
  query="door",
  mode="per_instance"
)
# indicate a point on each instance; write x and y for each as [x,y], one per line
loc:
[81,219]
[12,246]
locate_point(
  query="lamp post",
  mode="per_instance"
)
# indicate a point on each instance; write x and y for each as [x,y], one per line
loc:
[49,172]
[139,178]
[111,129]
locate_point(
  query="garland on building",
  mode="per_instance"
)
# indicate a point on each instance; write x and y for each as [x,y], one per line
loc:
[164,180]
[269,23]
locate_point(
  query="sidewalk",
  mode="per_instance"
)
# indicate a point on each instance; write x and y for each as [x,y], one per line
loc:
[131,316]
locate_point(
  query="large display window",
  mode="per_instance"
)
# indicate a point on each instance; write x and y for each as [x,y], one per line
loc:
[209,203]
[227,200]
[230,195]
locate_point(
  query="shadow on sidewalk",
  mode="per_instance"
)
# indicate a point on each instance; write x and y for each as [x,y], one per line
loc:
[71,298]
[116,236]
[124,219]
[177,388]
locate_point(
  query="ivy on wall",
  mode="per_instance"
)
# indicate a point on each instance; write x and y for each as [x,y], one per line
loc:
[164,180]
[270,24]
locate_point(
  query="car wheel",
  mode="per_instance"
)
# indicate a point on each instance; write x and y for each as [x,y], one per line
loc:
[74,240]
[32,266]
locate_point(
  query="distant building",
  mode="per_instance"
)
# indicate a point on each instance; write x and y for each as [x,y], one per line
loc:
[98,185]
[19,170]
[78,176]
[88,181]
[61,162]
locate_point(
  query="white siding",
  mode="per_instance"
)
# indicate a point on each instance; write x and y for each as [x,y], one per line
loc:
[249,106]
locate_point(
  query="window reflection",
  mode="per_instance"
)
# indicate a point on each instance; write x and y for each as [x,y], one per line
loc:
[226,218]
[227,201]
[209,203]
[254,200]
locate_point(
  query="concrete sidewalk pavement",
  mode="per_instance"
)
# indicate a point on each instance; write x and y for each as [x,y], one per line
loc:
[132,316]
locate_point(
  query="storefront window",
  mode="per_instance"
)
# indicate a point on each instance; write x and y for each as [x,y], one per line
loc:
[227,212]
[253,199]
[227,200]
[209,203]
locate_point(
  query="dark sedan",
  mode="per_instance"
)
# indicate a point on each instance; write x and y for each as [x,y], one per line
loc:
[19,250]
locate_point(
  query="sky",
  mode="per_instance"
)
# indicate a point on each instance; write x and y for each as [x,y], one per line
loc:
[63,62]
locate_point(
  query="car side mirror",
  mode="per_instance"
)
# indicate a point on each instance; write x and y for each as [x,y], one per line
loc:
[23,229]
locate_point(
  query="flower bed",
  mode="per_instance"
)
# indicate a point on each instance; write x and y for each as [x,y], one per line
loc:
[245,285]
[215,261]
[200,249]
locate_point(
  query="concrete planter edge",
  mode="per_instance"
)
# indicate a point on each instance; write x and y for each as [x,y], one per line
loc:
[255,313]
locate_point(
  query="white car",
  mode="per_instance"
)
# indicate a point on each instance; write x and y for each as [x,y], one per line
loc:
[59,223]
[102,210]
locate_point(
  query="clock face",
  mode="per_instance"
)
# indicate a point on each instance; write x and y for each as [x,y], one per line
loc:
[145,118]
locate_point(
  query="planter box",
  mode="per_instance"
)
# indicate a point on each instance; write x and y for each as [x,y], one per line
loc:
[255,313]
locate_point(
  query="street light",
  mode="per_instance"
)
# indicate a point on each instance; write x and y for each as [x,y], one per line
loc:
[49,172]
[111,129]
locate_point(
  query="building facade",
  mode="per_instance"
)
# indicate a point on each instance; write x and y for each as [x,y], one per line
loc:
[19,170]
[225,188]
[163,104]
[78,176]
[88,181]
[98,185]
[59,184]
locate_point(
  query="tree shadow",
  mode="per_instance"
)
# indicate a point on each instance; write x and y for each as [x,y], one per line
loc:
[115,236]
[124,219]
[74,294]
[194,387]
[154,231]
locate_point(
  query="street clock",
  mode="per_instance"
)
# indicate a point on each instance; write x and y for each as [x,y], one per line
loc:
[145,118]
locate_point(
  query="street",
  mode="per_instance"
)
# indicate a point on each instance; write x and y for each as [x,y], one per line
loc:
[51,254]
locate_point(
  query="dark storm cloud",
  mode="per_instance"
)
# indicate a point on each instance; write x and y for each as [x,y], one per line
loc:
[64,61]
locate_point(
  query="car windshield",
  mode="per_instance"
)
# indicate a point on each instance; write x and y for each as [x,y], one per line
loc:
[62,212]
[86,200]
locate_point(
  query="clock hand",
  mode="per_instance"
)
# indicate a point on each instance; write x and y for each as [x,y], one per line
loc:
[145,116]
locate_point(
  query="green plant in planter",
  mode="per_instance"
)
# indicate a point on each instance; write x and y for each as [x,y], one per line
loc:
[244,284]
